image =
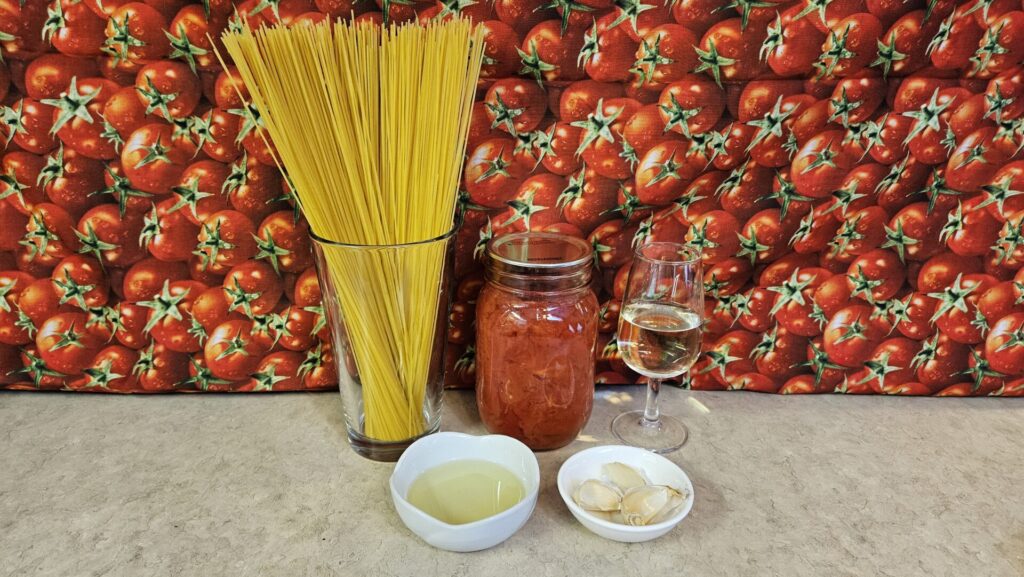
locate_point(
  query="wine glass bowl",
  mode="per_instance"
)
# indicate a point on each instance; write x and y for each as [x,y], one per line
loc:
[659,336]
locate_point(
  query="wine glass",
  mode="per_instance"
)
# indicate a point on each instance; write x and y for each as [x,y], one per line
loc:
[659,336]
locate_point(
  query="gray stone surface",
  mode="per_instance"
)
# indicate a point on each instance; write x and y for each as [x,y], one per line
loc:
[216,485]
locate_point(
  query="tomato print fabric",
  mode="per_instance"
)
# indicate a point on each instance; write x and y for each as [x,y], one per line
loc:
[852,171]
[148,241]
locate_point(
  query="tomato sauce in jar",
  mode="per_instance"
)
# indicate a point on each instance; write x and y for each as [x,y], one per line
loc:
[536,323]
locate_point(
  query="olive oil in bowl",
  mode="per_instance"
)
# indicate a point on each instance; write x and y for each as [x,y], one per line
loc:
[465,491]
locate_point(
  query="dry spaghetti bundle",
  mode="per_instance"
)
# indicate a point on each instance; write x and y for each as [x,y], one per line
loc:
[371,124]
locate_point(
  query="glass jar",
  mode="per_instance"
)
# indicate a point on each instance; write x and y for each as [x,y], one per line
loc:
[536,321]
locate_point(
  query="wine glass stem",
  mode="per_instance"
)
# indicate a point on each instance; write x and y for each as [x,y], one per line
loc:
[651,413]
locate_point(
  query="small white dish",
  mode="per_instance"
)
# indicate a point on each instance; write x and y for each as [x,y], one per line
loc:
[659,471]
[439,448]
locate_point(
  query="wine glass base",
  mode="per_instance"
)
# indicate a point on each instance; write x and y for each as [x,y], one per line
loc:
[663,436]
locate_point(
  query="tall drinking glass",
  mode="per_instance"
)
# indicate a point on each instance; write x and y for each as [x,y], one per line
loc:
[659,336]
[388,307]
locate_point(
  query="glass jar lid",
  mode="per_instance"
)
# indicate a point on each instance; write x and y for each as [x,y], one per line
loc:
[539,254]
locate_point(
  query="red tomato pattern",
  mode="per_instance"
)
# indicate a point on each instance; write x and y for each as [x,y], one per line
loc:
[852,172]
[143,219]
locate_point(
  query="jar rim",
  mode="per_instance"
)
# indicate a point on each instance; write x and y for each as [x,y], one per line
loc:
[495,244]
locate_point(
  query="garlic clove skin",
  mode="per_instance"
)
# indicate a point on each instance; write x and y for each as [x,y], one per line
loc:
[641,505]
[595,495]
[623,476]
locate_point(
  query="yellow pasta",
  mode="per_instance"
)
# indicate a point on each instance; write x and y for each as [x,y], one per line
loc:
[371,124]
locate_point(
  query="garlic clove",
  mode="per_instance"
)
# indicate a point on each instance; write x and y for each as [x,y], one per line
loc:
[641,505]
[623,476]
[595,495]
[675,503]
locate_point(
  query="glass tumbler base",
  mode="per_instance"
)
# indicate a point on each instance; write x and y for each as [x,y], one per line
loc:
[384,451]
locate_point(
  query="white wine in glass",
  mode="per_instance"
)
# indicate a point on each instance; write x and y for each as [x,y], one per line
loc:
[663,339]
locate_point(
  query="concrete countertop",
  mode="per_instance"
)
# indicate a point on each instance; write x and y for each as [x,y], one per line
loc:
[219,485]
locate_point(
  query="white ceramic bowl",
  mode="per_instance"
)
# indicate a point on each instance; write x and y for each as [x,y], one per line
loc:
[659,471]
[433,450]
